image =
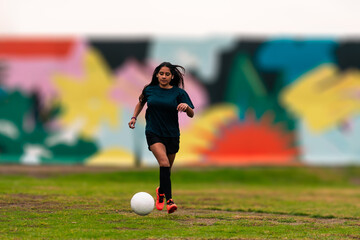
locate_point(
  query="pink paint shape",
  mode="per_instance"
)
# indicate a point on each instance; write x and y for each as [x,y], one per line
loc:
[35,75]
[131,78]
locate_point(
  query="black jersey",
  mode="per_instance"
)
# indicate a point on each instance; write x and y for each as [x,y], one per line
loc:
[161,113]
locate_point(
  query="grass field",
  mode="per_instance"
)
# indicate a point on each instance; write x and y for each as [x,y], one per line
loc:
[239,203]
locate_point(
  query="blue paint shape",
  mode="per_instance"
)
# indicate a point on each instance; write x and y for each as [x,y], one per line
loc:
[201,55]
[333,147]
[293,58]
[3,93]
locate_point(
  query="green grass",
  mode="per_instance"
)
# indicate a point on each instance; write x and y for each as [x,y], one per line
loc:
[239,203]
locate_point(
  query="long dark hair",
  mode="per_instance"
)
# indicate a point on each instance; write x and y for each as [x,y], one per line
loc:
[176,70]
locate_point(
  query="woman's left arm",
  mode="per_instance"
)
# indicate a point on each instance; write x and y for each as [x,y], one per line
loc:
[183,107]
[190,112]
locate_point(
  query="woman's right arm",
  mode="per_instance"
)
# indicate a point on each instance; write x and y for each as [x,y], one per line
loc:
[139,106]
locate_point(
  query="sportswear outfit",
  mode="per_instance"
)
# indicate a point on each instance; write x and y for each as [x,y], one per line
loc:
[162,120]
[162,125]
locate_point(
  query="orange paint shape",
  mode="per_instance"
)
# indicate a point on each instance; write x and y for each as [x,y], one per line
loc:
[252,142]
[32,47]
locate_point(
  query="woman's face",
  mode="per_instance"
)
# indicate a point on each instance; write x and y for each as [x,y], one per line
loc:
[164,76]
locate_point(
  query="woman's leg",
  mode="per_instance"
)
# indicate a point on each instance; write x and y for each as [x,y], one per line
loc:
[159,152]
[171,206]
[171,158]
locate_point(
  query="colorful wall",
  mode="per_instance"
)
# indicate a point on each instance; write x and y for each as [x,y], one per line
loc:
[257,101]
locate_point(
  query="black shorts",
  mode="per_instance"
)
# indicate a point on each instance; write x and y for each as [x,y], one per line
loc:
[171,143]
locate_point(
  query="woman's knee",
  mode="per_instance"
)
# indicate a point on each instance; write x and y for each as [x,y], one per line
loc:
[164,163]
[159,152]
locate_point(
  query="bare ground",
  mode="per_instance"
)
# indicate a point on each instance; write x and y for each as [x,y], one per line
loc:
[49,170]
[44,203]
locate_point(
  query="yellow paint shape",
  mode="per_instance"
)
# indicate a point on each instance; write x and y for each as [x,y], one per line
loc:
[200,134]
[323,97]
[88,98]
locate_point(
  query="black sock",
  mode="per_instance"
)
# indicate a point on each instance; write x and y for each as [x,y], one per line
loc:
[165,182]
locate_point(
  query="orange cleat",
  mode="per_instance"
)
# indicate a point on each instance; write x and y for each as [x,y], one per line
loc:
[159,200]
[171,206]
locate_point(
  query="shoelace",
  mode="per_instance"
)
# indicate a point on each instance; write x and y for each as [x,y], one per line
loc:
[170,202]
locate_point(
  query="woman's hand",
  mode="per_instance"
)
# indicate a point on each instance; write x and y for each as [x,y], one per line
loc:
[132,123]
[182,107]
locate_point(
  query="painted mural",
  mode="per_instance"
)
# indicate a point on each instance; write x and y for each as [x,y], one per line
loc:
[257,101]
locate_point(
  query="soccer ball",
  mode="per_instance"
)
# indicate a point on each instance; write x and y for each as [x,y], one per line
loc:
[142,203]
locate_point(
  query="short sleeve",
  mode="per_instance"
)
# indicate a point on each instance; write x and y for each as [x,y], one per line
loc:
[144,96]
[184,98]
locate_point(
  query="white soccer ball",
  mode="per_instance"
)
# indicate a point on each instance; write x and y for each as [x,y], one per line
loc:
[142,203]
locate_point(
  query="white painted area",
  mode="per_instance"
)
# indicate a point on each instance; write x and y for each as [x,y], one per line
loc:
[198,18]
[9,129]
[33,154]
[69,136]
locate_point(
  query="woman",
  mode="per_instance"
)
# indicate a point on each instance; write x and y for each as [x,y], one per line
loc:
[164,99]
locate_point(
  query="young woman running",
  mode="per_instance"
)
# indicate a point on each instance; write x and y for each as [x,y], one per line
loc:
[164,99]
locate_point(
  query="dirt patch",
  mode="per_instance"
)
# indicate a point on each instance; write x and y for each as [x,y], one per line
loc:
[198,221]
[288,219]
[353,236]
[50,170]
[39,203]
[355,181]
[271,218]
[31,202]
